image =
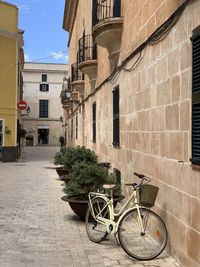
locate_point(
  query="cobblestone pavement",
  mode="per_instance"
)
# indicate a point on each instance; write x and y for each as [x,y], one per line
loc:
[38,229]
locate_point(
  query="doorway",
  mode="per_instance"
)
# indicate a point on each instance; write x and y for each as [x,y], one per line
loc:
[43,136]
[29,141]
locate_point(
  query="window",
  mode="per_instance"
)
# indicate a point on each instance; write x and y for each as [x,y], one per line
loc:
[44,87]
[72,125]
[43,109]
[117,175]
[43,136]
[76,126]
[196,98]
[116,131]
[94,122]
[44,77]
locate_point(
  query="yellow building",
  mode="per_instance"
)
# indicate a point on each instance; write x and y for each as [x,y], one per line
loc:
[11,65]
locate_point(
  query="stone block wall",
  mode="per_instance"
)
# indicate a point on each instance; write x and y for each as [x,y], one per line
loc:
[155,116]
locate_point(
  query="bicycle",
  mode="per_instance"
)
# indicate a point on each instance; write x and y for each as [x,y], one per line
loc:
[141,232]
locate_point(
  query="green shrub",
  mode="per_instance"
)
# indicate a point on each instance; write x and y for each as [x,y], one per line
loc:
[68,156]
[85,178]
[89,177]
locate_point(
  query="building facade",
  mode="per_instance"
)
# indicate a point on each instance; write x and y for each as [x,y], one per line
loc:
[11,64]
[43,119]
[135,100]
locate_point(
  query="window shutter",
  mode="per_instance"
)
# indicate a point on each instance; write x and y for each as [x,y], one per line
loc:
[44,87]
[94,122]
[116,132]
[117,8]
[72,125]
[94,12]
[76,126]
[196,99]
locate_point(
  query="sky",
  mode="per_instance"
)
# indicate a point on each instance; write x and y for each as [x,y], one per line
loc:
[44,39]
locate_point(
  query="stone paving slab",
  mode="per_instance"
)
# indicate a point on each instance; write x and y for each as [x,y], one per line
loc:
[38,229]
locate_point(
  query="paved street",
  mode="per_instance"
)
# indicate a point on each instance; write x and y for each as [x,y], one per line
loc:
[38,229]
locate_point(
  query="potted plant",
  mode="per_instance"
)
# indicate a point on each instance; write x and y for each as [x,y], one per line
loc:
[68,156]
[84,178]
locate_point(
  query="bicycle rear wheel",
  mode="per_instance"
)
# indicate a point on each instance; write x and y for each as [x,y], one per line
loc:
[97,231]
[142,245]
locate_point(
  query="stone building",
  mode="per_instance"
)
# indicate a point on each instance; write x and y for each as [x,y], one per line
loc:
[44,116]
[137,104]
[11,65]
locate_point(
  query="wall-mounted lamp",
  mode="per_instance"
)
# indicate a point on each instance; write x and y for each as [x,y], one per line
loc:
[68,94]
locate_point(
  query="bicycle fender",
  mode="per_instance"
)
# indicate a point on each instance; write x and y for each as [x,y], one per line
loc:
[120,218]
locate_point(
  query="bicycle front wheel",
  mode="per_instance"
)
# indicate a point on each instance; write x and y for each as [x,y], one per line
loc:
[142,245]
[97,231]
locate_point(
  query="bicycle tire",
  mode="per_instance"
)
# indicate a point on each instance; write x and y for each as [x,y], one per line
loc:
[96,231]
[142,246]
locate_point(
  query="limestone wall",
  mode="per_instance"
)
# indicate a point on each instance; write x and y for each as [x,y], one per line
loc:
[155,115]
[32,94]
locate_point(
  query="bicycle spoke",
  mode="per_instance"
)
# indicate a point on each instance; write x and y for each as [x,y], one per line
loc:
[142,245]
[96,230]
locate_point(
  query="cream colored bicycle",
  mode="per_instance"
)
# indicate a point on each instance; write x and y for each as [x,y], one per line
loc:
[141,232]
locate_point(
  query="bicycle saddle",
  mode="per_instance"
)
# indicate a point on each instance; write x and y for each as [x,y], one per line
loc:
[109,186]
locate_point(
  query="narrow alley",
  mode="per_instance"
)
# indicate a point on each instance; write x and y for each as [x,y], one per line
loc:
[38,229]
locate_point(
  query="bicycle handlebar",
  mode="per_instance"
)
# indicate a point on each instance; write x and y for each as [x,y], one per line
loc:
[142,177]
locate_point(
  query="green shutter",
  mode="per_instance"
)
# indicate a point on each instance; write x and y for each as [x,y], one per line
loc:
[196,99]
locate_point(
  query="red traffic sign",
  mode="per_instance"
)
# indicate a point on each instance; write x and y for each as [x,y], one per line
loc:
[22,105]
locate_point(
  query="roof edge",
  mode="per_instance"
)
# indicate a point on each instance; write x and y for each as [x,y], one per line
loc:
[69,15]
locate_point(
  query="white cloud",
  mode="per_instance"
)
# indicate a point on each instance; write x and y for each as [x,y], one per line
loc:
[24,9]
[59,55]
[26,57]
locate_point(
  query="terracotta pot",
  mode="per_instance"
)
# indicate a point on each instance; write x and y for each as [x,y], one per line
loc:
[61,171]
[79,206]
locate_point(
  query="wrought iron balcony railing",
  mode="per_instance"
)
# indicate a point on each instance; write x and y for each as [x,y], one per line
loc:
[76,74]
[87,48]
[103,9]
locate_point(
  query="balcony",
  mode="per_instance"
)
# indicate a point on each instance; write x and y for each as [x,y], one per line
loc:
[77,79]
[88,58]
[107,27]
[69,98]
[68,106]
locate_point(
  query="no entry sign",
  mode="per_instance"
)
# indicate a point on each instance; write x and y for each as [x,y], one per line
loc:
[22,105]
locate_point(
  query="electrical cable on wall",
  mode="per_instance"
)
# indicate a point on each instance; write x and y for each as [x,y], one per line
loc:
[157,36]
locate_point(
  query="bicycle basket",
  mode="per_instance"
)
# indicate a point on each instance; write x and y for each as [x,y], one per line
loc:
[147,195]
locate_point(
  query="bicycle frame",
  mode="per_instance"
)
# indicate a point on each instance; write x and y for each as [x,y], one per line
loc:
[115,218]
